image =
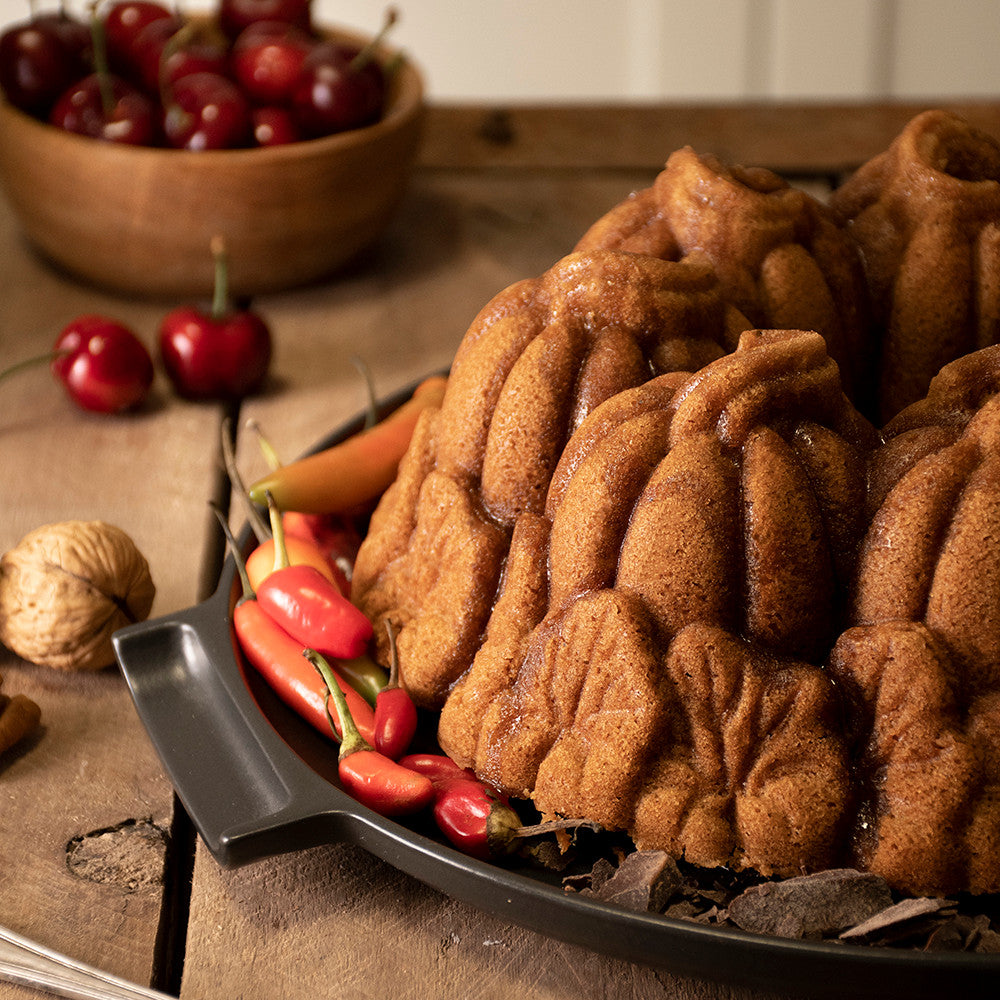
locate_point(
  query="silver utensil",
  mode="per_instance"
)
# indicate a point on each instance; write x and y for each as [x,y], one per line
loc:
[29,964]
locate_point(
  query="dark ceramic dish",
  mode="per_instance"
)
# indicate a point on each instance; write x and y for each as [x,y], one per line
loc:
[272,788]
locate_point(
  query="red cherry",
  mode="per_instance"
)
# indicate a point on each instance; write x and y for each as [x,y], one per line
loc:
[168,49]
[267,58]
[332,95]
[75,34]
[122,24]
[206,111]
[235,15]
[36,66]
[107,108]
[223,353]
[274,127]
[103,366]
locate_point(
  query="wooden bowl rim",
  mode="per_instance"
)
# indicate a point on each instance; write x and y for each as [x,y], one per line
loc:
[406,102]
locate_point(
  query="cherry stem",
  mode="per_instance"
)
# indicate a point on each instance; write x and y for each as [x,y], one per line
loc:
[34,362]
[350,739]
[101,69]
[365,56]
[278,534]
[220,289]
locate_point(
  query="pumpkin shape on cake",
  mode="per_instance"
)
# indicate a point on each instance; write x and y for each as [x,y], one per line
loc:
[925,214]
[920,669]
[780,255]
[534,363]
[717,511]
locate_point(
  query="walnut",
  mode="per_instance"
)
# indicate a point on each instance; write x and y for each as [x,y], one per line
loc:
[66,587]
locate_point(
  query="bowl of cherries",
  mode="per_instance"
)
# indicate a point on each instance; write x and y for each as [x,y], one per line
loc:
[134,136]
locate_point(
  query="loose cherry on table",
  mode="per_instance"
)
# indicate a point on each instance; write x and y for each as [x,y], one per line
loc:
[221,353]
[101,364]
[206,111]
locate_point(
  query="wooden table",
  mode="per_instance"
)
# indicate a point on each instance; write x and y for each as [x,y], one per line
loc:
[98,860]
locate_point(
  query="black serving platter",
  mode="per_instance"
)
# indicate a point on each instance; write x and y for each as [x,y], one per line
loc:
[257,782]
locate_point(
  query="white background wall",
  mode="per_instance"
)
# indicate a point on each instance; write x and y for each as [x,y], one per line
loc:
[552,50]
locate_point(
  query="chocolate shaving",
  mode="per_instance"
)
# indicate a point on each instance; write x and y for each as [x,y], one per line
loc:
[644,881]
[896,919]
[810,906]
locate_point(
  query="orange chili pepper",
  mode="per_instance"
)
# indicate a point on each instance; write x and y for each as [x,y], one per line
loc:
[354,472]
[277,657]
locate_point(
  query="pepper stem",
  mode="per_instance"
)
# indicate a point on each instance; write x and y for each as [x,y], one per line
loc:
[34,362]
[277,533]
[351,740]
[267,449]
[241,566]
[393,681]
[220,288]
[260,528]
[371,409]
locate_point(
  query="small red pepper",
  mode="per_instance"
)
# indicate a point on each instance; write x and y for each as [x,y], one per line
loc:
[309,607]
[436,766]
[475,818]
[395,713]
[277,657]
[370,777]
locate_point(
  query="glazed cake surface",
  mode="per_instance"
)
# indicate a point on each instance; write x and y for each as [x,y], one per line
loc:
[657,570]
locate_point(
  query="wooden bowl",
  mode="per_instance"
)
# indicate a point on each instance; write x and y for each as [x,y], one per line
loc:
[140,220]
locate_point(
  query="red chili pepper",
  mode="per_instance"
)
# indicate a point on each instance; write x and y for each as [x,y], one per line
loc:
[278,659]
[309,607]
[395,713]
[436,766]
[369,776]
[475,818]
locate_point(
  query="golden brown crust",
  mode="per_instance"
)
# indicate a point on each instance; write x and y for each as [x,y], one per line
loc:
[926,215]
[780,256]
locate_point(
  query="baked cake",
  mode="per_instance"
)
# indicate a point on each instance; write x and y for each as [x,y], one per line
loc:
[535,362]
[656,569]
[688,555]
[926,216]
[920,671]
[781,256]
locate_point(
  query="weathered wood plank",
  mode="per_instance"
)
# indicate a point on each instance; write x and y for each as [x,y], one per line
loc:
[87,809]
[812,137]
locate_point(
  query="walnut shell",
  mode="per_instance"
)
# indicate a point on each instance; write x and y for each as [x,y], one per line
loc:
[66,587]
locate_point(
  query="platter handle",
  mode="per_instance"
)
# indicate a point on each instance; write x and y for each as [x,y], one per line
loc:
[241,783]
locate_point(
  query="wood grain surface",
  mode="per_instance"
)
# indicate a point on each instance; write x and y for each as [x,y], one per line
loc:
[97,860]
